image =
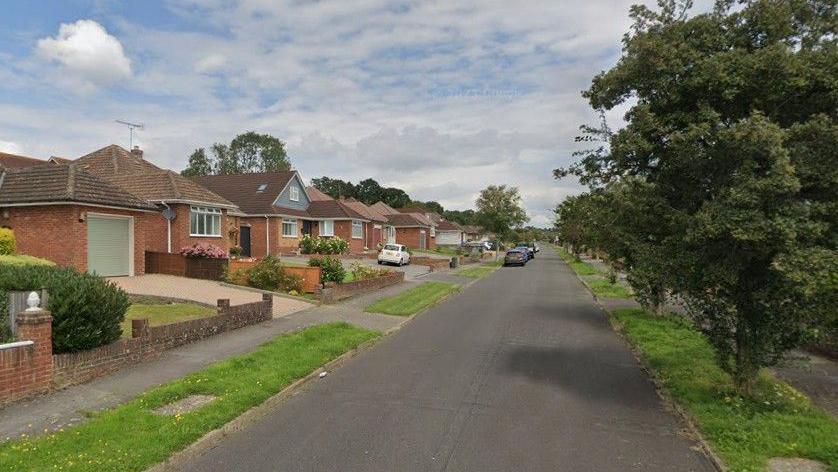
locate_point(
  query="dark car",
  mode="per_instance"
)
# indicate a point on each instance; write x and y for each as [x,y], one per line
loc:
[528,247]
[516,256]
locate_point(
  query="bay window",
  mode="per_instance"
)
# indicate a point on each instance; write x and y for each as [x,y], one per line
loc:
[204,221]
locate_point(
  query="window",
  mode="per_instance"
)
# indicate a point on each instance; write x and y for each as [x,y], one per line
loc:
[289,228]
[205,221]
[433,231]
[357,229]
[262,188]
[327,228]
[294,193]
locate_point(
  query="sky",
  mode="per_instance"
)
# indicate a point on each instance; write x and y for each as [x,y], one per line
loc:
[438,98]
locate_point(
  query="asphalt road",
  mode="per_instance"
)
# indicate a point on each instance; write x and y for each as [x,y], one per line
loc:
[521,372]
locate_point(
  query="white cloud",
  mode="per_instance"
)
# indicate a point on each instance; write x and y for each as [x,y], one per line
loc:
[10,147]
[211,63]
[88,51]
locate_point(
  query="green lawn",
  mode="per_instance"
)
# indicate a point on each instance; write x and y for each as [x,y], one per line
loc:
[131,438]
[23,260]
[476,272]
[580,267]
[744,432]
[414,300]
[164,313]
[605,289]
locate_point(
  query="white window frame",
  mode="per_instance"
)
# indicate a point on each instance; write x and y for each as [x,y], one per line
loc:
[292,222]
[323,231]
[294,193]
[210,216]
[433,231]
[359,225]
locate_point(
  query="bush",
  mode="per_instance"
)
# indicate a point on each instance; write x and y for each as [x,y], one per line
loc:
[86,309]
[204,251]
[23,260]
[7,242]
[235,251]
[268,274]
[333,245]
[331,268]
[363,272]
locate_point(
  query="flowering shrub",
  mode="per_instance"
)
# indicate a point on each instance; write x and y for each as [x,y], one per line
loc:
[331,269]
[318,245]
[7,242]
[206,251]
[363,272]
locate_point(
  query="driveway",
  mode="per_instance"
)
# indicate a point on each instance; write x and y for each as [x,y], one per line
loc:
[201,291]
[520,372]
[411,272]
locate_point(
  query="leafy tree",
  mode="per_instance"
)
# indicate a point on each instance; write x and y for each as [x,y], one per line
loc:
[731,145]
[369,191]
[499,210]
[247,153]
[335,188]
[199,164]
[434,207]
[463,217]
[395,197]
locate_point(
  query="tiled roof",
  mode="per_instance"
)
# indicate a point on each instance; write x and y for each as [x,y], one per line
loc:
[365,211]
[144,179]
[408,219]
[13,161]
[384,208]
[63,183]
[243,190]
[333,209]
[472,229]
[445,225]
[316,195]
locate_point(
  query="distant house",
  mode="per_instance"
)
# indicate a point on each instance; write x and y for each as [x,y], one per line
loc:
[380,230]
[474,233]
[449,234]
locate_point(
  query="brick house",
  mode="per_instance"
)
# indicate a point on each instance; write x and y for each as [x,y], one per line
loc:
[74,218]
[276,211]
[449,233]
[412,228]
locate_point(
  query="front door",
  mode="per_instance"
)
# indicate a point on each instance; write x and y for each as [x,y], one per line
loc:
[307,227]
[244,240]
[423,243]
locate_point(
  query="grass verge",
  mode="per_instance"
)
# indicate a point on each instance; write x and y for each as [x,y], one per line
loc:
[745,432]
[131,438]
[163,313]
[476,272]
[414,300]
[605,289]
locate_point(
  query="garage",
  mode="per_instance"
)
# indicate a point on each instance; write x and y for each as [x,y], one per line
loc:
[110,245]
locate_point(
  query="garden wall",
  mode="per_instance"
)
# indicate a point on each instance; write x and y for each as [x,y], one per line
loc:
[432,262]
[31,368]
[310,275]
[334,292]
[182,266]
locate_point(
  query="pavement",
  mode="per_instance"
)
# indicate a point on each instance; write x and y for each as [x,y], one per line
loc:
[520,372]
[73,404]
[202,291]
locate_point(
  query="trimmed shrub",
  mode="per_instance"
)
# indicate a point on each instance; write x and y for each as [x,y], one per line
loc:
[8,244]
[363,272]
[268,274]
[331,269]
[86,309]
[318,245]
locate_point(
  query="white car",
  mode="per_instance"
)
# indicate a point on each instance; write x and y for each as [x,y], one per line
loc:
[394,254]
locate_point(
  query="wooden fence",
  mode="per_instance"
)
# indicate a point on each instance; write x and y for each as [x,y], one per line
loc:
[193,267]
[310,275]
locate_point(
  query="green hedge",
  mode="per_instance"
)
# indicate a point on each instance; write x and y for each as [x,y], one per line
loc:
[331,269]
[7,242]
[86,309]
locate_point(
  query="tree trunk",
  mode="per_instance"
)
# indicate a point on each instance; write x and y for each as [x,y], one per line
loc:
[745,371]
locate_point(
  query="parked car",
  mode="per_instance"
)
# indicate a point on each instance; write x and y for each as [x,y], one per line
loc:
[535,247]
[394,254]
[517,256]
[527,247]
[480,245]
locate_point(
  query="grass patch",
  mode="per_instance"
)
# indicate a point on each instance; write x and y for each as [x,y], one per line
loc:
[349,277]
[22,260]
[164,313]
[414,300]
[605,289]
[580,267]
[745,432]
[476,272]
[131,438]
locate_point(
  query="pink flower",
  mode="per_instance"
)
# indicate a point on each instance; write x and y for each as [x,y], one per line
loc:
[207,251]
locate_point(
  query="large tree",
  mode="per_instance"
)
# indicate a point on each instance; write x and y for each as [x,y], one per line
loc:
[499,210]
[732,136]
[247,153]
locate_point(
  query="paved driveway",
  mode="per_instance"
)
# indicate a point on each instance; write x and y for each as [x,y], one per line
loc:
[411,272]
[521,372]
[201,291]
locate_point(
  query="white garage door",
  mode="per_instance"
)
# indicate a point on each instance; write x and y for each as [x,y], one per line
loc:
[109,245]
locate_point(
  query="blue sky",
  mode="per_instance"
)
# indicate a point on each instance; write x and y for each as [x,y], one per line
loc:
[439,98]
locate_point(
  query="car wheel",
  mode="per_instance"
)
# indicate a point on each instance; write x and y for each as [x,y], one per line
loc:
[379,262]
[401,262]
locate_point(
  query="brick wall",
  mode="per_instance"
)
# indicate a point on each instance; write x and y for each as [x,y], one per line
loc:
[432,262]
[33,369]
[333,293]
[181,231]
[59,232]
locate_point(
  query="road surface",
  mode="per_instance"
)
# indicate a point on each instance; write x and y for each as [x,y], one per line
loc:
[521,372]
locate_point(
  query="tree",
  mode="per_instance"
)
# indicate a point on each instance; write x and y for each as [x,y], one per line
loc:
[499,210]
[434,207]
[395,197]
[369,191]
[199,164]
[463,217]
[334,188]
[734,175]
[247,153]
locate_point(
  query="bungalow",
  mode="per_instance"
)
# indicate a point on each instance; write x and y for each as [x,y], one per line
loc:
[474,233]
[379,231]
[449,234]
[277,210]
[74,218]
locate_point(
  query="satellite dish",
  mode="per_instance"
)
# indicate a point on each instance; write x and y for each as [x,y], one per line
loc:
[169,214]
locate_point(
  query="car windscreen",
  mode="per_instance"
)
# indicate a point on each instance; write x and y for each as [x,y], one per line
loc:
[391,247]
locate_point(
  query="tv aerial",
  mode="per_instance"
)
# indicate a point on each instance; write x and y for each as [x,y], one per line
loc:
[131,128]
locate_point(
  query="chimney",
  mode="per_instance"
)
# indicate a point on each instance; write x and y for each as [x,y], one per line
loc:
[137,152]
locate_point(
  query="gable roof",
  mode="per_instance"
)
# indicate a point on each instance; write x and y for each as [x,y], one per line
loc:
[403,220]
[472,229]
[144,179]
[315,195]
[243,190]
[50,183]
[365,211]
[445,225]
[333,209]
[384,208]
[14,161]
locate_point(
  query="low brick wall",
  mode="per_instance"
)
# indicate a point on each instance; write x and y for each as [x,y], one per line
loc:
[432,262]
[332,293]
[29,367]
[310,275]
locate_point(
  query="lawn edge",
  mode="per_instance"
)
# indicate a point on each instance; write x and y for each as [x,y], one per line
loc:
[316,302]
[213,438]
[667,399]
